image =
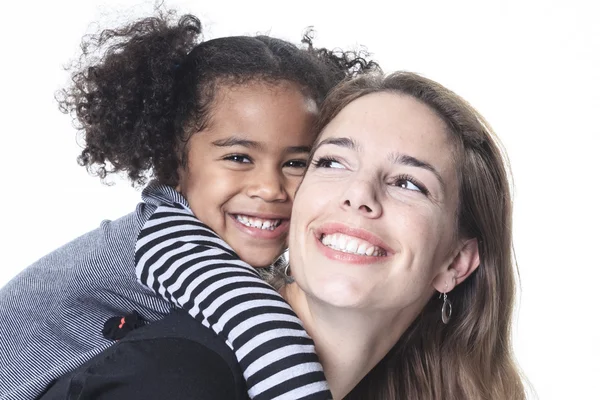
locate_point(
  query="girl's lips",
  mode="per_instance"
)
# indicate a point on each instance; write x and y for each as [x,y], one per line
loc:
[271,216]
[332,228]
[263,234]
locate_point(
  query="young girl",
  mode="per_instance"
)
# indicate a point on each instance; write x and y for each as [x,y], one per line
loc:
[224,127]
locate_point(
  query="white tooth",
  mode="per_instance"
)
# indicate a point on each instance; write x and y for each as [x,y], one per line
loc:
[341,242]
[333,241]
[362,249]
[244,219]
[265,225]
[352,246]
[349,244]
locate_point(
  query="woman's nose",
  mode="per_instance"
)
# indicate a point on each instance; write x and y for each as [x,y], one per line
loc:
[361,196]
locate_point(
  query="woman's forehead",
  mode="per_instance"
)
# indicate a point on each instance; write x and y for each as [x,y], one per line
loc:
[394,121]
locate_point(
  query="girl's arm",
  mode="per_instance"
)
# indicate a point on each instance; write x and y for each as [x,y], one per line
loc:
[185,262]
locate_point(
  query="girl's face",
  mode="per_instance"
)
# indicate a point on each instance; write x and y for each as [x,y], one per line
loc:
[373,223]
[243,170]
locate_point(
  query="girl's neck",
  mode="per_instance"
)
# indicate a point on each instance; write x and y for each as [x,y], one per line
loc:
[349,342]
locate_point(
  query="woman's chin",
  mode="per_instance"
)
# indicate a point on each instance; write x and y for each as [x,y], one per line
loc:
[340,292]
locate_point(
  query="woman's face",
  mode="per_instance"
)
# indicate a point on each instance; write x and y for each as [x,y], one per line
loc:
[373,223]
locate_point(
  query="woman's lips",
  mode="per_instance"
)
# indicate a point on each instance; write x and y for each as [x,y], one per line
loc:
[351,245]
[349,258]
[360,234]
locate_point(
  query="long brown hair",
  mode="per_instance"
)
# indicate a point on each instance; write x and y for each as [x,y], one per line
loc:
[470,357]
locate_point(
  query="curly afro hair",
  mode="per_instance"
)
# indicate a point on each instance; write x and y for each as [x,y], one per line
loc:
[137,90]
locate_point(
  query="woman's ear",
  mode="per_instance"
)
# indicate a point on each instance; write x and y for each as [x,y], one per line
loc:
[464,263]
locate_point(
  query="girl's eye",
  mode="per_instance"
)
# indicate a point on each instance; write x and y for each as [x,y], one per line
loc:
[327,162]
[409,183]
[238,158]
[295,164]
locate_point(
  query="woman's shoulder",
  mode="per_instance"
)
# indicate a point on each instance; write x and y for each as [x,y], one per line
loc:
[175,358]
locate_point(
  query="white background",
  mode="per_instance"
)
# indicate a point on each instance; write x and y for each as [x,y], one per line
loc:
[531,67]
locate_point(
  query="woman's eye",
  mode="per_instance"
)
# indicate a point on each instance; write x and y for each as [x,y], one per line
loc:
[295,164]
[327,162]
[409,183]
[238,158]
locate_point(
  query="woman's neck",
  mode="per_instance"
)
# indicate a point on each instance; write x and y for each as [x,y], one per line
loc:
[349,342]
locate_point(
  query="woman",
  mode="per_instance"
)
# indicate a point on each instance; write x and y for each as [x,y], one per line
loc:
[400,248]
[420,174]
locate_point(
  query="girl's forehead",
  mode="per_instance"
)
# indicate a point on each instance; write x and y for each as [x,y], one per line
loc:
[261,117]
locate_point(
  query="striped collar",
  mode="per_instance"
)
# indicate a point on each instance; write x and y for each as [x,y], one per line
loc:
[158,194]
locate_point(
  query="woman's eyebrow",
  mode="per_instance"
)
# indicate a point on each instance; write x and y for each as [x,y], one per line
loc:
[340,141]
[405,159]
[395,157]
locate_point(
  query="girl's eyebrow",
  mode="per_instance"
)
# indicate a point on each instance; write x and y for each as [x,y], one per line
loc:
[255,145]
[238,141]
[297,149]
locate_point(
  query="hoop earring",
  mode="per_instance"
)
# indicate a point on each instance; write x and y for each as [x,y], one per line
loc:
[446,308]
[287,274]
